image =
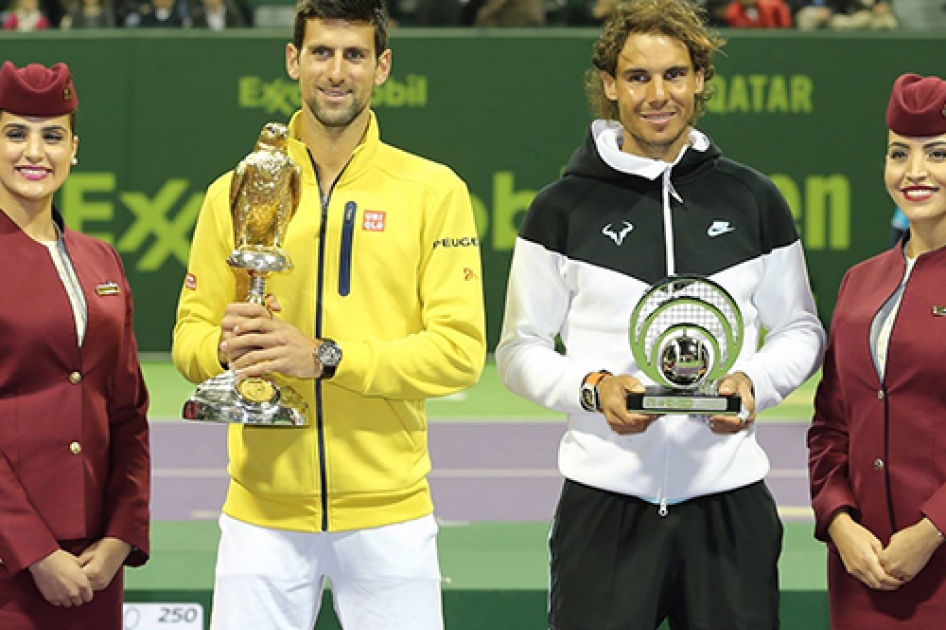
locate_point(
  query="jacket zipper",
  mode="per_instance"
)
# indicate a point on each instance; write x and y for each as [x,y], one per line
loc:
[344,261]
[320,285]
[662,490]
[666,192]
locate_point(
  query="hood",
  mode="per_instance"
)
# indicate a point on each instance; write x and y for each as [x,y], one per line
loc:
[600,157]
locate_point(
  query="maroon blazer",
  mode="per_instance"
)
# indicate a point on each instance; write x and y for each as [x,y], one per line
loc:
[879,448]
[74,458]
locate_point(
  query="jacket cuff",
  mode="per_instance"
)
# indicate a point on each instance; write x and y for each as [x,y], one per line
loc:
[24,558]
[825,511]
[352,371]
[762,389]
[209,359]
[935,509]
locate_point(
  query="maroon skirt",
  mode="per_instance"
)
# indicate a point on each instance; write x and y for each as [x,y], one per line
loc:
[23,607]
[917,605]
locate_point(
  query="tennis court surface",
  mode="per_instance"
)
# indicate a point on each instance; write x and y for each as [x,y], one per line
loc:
[495,484]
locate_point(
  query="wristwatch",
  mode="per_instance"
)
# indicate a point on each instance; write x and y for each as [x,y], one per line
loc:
[329,355]
[588,394]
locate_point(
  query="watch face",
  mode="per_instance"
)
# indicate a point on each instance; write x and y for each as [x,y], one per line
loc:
[588,398]
[329,354]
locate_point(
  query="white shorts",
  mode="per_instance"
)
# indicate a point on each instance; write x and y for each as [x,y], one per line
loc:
[386,578]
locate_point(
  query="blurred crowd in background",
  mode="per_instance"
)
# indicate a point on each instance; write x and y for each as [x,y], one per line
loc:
[880,15]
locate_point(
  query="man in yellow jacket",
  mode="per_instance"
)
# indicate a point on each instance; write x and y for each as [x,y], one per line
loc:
[383,309]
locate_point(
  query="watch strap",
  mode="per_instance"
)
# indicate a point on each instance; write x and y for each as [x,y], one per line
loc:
[328,371]
[588,396]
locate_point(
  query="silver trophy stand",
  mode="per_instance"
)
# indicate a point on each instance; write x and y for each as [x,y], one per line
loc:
[256,401]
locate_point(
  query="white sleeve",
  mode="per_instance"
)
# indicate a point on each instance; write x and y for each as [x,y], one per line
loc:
[793,348]
[537,301]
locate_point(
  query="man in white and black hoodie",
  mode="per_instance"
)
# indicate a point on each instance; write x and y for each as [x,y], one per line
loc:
[661,517]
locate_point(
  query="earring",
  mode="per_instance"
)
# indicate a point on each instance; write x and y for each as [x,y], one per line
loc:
[75,161]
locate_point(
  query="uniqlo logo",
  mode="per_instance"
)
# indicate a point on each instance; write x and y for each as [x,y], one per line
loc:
[374,221]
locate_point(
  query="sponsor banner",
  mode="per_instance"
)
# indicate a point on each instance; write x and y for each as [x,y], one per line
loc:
[162,116]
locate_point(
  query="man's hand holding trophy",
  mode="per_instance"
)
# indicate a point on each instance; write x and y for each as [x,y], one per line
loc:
[686,333]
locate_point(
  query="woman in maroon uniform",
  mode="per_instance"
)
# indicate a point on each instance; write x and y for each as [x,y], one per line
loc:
[74,460]
[878,440]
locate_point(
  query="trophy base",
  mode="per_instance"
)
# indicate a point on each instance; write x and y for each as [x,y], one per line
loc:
[659,401]
[251,401]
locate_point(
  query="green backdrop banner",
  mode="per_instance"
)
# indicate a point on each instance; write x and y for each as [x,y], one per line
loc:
[162,115]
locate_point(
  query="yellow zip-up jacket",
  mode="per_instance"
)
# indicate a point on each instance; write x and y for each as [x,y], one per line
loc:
[388,267]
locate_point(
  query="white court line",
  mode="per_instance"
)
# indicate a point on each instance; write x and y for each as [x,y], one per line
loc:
[784,511]
[449,473]
[190,472]
[796,511]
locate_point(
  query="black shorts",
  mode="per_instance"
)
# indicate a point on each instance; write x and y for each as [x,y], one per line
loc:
[710,564]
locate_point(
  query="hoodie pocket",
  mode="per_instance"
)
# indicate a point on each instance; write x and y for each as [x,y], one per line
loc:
[344,260]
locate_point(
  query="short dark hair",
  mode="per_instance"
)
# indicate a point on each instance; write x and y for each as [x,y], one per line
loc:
[363,11]
[681,19]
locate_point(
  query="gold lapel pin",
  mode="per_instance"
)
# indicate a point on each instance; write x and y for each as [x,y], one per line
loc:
[110,288]
[939,311]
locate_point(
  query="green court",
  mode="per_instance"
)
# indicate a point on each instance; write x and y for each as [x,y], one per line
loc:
[494,572]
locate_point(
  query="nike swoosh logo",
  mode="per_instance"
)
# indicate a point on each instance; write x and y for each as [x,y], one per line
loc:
[719,228]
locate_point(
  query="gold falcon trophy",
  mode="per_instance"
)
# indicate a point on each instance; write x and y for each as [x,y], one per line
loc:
[264,195]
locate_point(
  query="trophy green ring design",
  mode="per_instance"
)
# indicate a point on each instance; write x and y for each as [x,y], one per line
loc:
[685,334]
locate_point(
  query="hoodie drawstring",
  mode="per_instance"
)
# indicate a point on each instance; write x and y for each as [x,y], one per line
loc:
[667,190]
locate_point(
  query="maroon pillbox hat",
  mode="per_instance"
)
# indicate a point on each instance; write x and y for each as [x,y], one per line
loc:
[36,90]
[917,106]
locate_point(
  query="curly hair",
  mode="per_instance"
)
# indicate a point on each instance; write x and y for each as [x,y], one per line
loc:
[679,19]
[371,12]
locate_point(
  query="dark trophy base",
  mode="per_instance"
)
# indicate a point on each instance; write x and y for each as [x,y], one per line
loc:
[659,401]
[252,401]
